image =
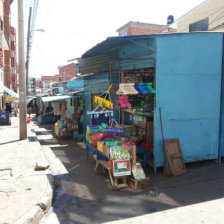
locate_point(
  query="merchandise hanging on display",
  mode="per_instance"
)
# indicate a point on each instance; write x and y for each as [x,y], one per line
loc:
[71,125]
[135,88]
[104,110]
[46,113]
[136,101]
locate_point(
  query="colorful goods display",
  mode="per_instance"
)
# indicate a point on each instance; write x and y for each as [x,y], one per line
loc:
[105,105]
[119,152]
[69,126]
[135,88]
[104,102]
[63,127]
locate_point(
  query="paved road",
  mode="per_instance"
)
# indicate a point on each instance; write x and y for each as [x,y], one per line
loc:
[92,200]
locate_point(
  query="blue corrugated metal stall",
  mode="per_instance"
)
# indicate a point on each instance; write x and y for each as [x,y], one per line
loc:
[189,69]
[188,81]
[221,130]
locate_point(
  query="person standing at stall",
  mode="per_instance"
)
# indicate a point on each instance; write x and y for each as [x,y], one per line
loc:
[8,108]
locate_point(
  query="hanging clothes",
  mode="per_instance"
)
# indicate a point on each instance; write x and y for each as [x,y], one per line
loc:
[63,108]
[58,108]
[97,119]
[55,108]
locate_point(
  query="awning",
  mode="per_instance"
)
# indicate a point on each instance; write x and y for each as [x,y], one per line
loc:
[72,92]
[54,98]
[9,91]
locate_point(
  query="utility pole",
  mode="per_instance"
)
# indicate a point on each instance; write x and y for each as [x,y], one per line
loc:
[22,79]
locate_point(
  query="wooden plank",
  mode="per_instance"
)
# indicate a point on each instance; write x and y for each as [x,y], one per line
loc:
[122,77]
[174,157]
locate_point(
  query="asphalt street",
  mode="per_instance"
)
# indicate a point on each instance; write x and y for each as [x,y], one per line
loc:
[84,197]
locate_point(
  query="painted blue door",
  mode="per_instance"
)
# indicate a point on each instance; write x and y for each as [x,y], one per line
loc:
[188,83]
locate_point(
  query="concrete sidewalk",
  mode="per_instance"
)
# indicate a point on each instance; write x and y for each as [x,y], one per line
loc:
[25,194]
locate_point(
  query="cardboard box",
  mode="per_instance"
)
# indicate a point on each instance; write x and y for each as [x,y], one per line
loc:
[138,184]
[100,145]
[106,151]
[63,133]
[120,167]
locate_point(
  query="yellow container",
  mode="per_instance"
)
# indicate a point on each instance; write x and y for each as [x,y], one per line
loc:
[100,146]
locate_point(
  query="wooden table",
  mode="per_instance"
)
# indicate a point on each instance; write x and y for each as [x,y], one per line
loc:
[113,180]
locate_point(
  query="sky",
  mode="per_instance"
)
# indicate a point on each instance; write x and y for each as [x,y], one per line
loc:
[74,26]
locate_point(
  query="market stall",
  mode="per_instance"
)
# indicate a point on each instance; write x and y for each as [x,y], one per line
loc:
[185,68]
[66,112]
[71,123]
[9,104]
[51,108]
[113,146]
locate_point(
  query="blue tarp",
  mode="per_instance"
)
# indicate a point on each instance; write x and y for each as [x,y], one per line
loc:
[9,91]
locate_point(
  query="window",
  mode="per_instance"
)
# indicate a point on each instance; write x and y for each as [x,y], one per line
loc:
[201,25]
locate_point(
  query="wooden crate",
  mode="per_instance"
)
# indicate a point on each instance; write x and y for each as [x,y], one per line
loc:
[106,151]
[138,184]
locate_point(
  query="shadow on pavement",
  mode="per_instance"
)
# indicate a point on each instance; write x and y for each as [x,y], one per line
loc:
[4,143]
[89,198]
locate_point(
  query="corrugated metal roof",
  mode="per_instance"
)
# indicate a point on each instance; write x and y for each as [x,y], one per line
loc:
[112,43]
[106,57]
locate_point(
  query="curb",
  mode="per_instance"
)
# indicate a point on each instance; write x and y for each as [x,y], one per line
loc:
[41,208]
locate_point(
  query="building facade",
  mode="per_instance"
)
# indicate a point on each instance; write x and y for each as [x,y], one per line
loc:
[7,53]
[67,72]
[14,78]
[137,28]
[4,47]
[46,82]
[208,16]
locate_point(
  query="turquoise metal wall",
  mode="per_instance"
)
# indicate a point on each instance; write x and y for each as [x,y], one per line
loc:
[188,85]
[221,130]
[137,55]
